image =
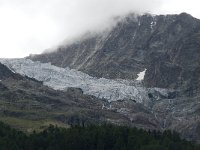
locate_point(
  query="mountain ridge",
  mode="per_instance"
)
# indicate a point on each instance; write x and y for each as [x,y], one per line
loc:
[137,43]
[161,112]
[28,105]
[166,46]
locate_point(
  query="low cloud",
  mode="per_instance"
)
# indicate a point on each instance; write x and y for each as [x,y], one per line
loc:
[34,25]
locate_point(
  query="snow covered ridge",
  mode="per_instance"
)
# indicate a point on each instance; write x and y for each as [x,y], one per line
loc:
[62,78]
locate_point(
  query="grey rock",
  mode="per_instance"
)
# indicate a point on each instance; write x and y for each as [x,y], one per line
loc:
[166,45]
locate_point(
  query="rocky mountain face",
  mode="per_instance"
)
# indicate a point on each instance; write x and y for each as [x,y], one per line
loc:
[63,78]
[168,46]
[134,105]
[27,104]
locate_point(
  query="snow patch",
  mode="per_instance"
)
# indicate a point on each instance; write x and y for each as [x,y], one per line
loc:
[141,75]
[153,23]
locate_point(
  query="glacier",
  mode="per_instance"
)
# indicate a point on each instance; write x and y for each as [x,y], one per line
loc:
[63,78]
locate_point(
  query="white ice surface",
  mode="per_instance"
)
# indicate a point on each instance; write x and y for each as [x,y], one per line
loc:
[62,78]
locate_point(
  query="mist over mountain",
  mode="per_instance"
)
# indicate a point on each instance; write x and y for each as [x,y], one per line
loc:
[34,25]
[94,78]
[166,45]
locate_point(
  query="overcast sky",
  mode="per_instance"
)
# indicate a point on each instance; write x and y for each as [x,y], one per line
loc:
[31,26]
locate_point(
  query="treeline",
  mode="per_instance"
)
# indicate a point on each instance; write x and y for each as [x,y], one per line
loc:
[105,137]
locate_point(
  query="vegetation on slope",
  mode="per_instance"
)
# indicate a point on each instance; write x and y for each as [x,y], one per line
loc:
[105,137]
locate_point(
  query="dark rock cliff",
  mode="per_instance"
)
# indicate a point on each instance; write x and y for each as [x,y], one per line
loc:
[27,104]
[168,46]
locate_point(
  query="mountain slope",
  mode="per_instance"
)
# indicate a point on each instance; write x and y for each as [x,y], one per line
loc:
[160,110]
[63,78]
[27,104]
[167,46]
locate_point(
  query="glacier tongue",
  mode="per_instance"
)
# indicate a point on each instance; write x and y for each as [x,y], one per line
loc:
[62,78]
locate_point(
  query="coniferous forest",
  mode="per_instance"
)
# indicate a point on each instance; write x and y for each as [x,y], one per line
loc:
[104,137]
